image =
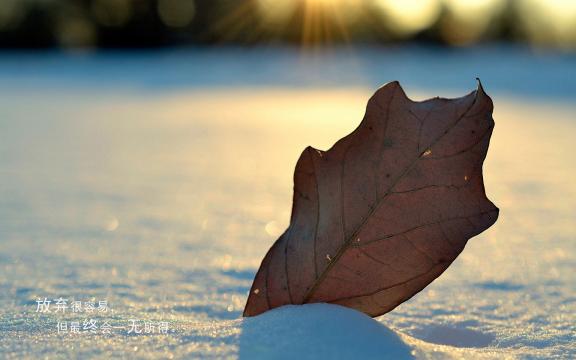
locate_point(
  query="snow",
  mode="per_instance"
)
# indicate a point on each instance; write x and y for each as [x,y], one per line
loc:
[162,196]
[318,331]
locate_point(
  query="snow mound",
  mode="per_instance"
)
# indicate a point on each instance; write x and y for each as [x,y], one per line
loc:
[318,331]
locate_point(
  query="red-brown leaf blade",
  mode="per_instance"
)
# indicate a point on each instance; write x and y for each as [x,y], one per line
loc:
[386,210]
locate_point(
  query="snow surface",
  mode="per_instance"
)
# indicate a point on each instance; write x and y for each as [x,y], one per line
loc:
[120,182]
[319,331]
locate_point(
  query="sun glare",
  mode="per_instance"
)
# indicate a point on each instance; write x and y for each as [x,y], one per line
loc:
[461,22]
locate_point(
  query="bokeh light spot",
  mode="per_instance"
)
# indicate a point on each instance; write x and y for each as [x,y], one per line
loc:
[409,16]
[176,13]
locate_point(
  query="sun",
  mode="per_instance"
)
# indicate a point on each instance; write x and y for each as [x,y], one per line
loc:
[319,21]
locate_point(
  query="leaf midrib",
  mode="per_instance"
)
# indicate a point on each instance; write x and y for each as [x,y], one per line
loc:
[379,203]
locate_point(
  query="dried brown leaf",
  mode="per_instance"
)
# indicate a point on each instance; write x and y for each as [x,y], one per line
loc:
[386,210]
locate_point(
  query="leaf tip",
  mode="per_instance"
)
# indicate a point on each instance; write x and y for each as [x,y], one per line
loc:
[480,87]
[481,93]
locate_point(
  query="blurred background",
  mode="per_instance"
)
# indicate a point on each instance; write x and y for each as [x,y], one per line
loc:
[155,23]
[147,150]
